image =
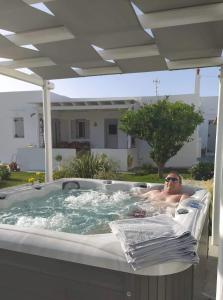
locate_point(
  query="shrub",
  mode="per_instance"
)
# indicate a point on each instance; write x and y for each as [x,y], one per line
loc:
[4,172]
[31,180]
[60,174]
[37,178]
[40,177]
[202,171]
[87,166]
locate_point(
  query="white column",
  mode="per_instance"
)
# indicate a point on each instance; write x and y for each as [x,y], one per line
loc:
[218,192]
[129,142]
[47,86]
[197,83]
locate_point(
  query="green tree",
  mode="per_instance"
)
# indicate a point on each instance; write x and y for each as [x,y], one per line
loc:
[164,125]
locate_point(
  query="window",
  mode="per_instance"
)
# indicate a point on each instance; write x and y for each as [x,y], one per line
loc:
[112,129]
[73,129]
[19,127]
[80,129]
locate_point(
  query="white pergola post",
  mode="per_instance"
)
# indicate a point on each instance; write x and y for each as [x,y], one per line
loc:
[47,86]
[218,191]
[129,146]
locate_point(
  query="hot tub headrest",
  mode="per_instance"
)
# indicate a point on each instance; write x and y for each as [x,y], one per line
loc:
[71,184]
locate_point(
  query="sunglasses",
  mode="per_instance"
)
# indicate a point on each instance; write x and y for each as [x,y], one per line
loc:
[174,179]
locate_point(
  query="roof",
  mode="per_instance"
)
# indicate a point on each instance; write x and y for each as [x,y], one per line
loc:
[92,103]
[86,38]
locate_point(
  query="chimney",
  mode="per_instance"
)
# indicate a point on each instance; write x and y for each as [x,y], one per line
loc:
[197,82]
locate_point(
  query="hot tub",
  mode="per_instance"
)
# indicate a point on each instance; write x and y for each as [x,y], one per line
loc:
[44,264]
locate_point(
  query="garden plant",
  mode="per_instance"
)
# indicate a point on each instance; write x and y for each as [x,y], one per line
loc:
[166,127]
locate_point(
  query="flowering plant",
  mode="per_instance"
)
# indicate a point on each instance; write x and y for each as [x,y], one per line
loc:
[31,180]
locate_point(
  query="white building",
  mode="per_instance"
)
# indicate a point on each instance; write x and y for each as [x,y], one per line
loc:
[209,107]
[90,124]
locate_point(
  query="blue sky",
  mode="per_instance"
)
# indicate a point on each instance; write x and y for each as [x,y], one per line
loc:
[140,84]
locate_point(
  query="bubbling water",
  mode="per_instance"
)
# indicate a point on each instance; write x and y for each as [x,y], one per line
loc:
[76,211]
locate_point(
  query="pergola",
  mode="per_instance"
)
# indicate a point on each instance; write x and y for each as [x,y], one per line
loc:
[79,38]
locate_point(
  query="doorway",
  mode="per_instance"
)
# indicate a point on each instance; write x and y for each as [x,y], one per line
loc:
[111,133]
[56,132]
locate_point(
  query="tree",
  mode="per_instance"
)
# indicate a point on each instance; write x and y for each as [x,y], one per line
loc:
[164,125]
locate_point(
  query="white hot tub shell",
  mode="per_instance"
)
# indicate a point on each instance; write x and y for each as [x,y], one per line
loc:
[92,266]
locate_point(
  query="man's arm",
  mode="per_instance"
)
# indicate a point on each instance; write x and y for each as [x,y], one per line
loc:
[184,196]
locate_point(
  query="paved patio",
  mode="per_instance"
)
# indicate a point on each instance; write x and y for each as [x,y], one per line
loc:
[210,285]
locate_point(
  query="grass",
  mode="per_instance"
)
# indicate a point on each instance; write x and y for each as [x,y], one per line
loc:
[17,178]
[153,178]
[139,178]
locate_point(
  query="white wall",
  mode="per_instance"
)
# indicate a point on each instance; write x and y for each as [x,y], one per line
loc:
[187,98]
[209,106]
[17,104]
[32,159]
[187,156]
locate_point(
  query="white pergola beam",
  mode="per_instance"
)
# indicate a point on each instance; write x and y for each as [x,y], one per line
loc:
[30,2]
[41,36]
[91,107]
[34,79]
[182,16]
[97,71]
[194,63]
[27,63]
[129,52]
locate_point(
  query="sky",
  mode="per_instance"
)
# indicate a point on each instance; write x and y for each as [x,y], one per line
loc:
[126,85]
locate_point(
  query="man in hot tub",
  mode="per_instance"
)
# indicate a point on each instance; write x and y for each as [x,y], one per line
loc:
[172,191]
[168,197]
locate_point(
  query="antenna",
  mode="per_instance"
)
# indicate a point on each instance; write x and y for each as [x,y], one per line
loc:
[156,82]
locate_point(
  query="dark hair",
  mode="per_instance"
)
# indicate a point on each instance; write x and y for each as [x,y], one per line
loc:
[178,175]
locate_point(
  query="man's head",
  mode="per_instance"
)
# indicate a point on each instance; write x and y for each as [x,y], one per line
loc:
[173,183]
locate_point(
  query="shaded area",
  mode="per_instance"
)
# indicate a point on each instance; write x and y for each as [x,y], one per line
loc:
[210,284]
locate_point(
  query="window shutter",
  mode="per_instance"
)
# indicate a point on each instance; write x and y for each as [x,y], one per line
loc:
[73,129]
[82,129]
[77,129]
[87,129]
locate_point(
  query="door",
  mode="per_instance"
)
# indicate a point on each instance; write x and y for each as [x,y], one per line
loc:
[111,133]
[56,133]
[211,136]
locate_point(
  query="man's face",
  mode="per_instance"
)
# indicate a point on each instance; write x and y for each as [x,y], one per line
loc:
[172,183]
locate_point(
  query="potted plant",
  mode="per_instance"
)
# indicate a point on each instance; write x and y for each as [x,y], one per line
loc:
[58,158]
